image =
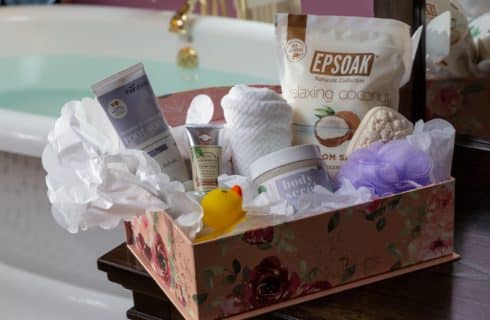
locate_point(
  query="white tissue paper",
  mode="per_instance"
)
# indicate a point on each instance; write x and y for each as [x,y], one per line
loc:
[318,201]
[258,122]
[93,180]
[436,137]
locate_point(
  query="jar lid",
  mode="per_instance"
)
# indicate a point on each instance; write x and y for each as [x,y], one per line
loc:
[283,157]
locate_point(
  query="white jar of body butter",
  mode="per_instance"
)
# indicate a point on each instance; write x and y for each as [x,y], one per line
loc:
[291,172]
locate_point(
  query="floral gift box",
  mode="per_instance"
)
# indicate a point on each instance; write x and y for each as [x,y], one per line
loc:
[275,266]
[251,272]
[464,103]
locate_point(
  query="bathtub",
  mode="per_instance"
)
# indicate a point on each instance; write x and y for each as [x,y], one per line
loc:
[53,54]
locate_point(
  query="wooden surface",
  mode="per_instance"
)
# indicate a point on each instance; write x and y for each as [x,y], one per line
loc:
[460,290]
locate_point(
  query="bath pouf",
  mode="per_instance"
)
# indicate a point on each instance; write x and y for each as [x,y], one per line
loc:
[389,168]
[258,122]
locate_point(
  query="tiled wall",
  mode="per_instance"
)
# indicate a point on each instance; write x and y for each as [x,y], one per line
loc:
[333,7]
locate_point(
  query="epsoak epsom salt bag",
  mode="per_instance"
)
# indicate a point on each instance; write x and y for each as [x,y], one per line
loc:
[334,69]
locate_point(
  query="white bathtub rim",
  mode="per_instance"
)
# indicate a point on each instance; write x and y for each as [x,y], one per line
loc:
[24,133]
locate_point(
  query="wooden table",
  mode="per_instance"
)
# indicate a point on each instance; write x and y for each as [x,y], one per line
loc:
[460,290]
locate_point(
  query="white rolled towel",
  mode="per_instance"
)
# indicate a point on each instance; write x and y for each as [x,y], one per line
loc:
[258,122]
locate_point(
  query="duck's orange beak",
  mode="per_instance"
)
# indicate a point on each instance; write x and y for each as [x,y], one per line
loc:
[237,190]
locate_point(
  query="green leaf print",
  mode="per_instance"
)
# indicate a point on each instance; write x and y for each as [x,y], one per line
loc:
[155,221]
[312,274]
[197,152]
[229,279]
[303,269]
[397,265]
[245,273]
[200,298]
[348,273]
[236,266]
[261,189]
[394,203]
[333,222]
[287,234]
[216,270]
[416,230]
[217,302]
[209,279]
[287,247]
[324,112]
[212,272]
[375,214]
[475,31]
[391,247]
[380,224]
[264,246]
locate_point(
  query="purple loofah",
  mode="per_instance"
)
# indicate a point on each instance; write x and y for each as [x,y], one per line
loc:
[388,168]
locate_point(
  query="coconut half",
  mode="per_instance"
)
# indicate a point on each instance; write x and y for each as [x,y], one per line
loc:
[332,131]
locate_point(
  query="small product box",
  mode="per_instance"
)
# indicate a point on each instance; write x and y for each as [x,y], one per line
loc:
[273,266]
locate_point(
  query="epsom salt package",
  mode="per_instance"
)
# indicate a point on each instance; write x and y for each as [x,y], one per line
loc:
[334,69]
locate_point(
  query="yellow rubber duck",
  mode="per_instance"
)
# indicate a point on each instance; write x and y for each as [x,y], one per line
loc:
[222,209]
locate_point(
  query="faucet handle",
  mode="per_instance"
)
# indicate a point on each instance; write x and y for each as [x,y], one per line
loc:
[179,21]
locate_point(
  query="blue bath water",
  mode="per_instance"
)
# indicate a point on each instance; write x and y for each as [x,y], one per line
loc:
[41,84]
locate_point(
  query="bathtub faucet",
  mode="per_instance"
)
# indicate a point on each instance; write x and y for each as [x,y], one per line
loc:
[181,22]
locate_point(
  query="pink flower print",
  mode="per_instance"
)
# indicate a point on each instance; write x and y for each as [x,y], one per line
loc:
[270,282]
[160,261]
[232,305]
[181,295]
[142,246]
[435,238]
[144,221]
[139,223]
[440,200]
[259,236]
[432,242]
[445,101]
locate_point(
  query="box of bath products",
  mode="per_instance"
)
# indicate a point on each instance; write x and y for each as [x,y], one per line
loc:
[462,102]
[276,265]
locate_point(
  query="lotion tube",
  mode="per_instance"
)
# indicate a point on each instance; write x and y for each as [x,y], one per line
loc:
[130,104]
[205,144]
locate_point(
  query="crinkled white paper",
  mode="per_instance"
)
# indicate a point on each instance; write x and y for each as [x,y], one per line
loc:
[94,181]
[318,201]
[436,137]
